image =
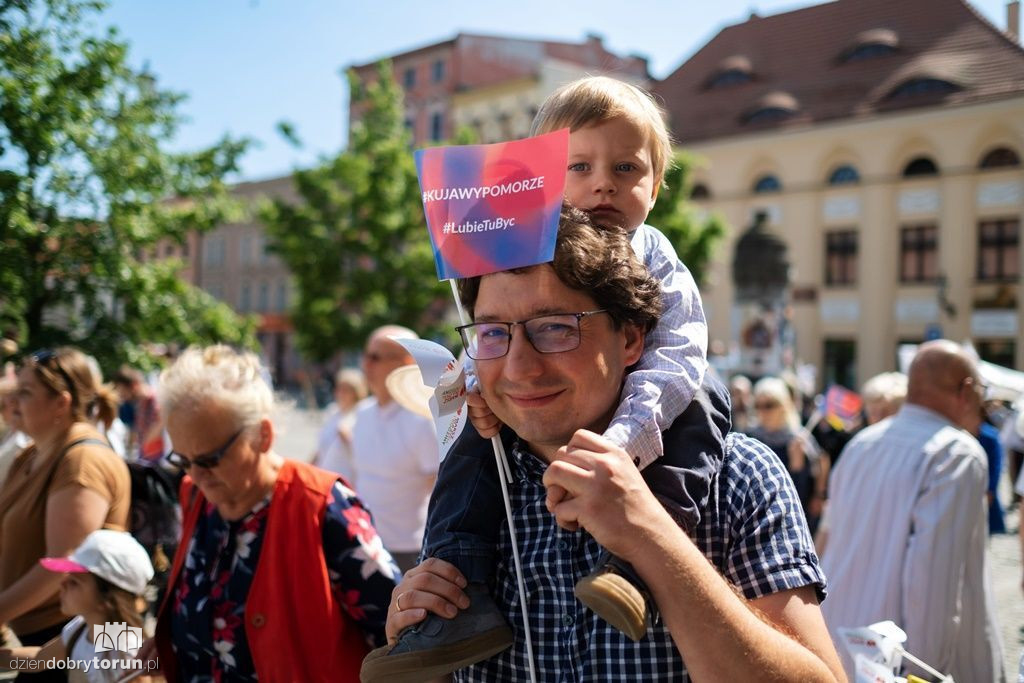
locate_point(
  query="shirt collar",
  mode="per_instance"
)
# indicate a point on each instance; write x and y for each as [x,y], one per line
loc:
[526,467]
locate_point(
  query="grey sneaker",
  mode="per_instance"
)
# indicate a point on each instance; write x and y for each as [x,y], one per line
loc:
[618,596]
[437,646]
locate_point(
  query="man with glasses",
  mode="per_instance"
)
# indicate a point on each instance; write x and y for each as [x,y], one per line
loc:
[394,451]
[552,345]
[908,522]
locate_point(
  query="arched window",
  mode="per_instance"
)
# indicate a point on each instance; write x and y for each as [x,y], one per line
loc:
[700,192]
[732,70]
[878,42]
[918,87]
[769,115]
[844,175]
[920,166]
[767,183]
[869,51]
[730,77]
[1000,157]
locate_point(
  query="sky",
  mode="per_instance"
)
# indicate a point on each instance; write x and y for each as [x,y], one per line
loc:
[246,65]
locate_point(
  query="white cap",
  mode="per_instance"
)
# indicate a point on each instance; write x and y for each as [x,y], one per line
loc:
[111,555]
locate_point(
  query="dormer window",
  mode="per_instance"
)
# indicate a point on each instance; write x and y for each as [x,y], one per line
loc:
[731,71]
[879,42]
[921,87]
[772,108]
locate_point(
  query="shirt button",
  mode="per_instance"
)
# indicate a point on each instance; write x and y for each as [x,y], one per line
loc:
[563,544]
[258,620]
[568,619]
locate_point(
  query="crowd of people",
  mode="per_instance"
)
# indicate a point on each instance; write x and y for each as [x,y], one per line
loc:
[668,521]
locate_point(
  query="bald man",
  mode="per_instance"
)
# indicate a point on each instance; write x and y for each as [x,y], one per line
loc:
[909,523]
[394,451]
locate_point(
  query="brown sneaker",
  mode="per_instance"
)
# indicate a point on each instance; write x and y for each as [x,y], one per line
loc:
[616,599]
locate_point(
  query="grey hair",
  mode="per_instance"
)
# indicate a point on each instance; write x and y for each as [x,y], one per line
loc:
[231,379]
[888,387]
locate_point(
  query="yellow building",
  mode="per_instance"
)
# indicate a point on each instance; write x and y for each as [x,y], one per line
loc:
[883,140]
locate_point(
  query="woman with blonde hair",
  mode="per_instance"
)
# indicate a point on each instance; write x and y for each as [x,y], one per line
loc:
[778,427]
[883,395]
[64,486]
[279,575]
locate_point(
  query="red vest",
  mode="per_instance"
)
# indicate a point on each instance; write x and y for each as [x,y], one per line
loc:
[296,629]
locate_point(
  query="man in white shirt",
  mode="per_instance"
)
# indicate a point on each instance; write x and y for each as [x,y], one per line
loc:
[909,523]
[394,452]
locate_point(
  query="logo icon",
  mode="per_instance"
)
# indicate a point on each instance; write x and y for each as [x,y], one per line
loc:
[116,636]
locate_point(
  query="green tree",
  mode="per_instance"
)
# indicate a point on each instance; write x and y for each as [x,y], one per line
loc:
[695,236]
[356,241]
[86,188]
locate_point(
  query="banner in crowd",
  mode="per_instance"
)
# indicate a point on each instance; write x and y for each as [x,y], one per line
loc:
[842,408]
[493,207]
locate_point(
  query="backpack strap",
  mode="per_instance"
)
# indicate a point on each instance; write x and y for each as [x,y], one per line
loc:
[74,637]
[77,442]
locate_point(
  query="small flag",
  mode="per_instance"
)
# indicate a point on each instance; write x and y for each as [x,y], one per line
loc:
[842,407]
[447,376]
[493,207]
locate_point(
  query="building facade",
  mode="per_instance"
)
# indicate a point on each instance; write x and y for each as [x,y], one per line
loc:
[491,84]
[883,141]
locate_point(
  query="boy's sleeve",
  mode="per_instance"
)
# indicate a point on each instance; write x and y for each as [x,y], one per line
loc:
[674,361]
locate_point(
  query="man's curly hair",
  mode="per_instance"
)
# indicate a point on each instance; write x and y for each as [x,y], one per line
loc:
[597,260]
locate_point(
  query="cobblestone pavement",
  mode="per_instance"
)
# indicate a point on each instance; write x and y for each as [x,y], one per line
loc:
[1005,565]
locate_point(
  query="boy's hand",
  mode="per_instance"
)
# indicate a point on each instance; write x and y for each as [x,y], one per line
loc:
[486,422]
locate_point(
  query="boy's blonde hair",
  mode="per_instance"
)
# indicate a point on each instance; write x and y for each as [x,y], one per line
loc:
[597,99]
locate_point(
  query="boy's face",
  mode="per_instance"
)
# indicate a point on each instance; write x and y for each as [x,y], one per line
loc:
[611,174]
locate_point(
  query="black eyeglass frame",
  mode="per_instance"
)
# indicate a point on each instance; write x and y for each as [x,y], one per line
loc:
[464,330]
[207,460]
[42,358]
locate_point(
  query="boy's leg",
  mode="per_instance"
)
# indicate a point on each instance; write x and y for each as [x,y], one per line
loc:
[681,480]
[463,521]
[464,513]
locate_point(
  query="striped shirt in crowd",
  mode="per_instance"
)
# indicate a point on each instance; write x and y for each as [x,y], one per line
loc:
[753,531]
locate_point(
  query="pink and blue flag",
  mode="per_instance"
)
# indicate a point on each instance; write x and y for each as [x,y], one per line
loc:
[493,207]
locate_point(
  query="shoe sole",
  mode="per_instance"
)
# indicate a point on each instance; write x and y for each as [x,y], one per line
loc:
[417,667]
[623,609]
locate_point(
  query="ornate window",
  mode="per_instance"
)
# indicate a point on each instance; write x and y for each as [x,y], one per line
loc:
[844,175]
[920,166]
[767,183]
[1000,157]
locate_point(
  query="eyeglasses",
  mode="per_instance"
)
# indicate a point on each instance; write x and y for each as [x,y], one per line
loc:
[553,333]
[43,358]
[207,460]
[980,386]
[766,405]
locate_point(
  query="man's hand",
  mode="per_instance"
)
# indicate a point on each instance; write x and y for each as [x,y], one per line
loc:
[486,422]
[593,484]
[433,585]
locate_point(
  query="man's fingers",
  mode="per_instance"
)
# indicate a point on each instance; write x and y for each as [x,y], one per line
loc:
[590,441]
[438,567]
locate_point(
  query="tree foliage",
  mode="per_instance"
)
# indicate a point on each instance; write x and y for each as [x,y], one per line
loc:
[693,233]
[86,187]
[356,242]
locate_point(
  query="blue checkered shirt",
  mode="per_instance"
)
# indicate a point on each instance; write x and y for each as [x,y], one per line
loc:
[753,531]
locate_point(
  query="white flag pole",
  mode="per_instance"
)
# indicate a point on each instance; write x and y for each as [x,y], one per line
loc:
[501,460]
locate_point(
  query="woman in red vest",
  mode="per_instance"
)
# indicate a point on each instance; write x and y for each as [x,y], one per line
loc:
[280,575]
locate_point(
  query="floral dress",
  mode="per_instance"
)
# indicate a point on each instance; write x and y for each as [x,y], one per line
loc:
[208,608]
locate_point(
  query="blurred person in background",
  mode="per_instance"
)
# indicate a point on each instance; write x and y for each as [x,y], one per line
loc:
[64,486]
[908,523]
[334,445]
[12,439]
[778,427]
[883,395]
[280,574]
[742,404]
[110,426]
[147,435]
[394,451]
[988,437]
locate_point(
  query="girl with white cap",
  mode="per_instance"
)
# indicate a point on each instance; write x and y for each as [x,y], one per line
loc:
[103,583]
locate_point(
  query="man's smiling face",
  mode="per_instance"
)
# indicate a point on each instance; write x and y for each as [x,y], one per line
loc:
[546,397]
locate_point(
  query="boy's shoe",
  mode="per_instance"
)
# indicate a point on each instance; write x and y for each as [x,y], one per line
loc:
[437,646]
[611,592]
